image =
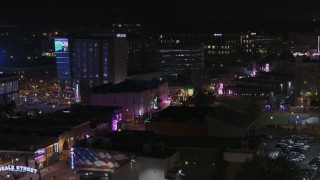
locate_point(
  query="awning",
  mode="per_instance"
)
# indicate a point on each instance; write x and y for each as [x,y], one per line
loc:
[40,159]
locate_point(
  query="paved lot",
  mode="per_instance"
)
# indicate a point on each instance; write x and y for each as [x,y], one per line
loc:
[310,154]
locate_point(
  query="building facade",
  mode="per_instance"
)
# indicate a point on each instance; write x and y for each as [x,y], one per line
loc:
[91,60]
[137,98]
[9,86]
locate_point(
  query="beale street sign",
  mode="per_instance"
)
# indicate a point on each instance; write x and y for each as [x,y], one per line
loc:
[18,169]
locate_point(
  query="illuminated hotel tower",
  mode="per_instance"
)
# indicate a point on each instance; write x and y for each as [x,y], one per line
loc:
[91,60]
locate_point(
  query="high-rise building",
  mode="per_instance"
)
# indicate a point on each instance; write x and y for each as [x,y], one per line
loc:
[63,60]
[91,59]
[136,42]
[9,86]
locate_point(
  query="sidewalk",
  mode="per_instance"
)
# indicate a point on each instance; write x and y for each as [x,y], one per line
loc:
[60,170]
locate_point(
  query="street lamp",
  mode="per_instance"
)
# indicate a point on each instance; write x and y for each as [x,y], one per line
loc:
[132,161]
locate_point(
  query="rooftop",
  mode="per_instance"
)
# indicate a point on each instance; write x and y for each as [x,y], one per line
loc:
[181,114]
[54,124]
[198,115]
[127,86]
[129,141]
[155,145]
[231,116]
[17,142]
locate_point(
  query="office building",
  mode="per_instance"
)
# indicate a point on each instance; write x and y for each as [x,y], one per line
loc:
[9,86]
[91,60]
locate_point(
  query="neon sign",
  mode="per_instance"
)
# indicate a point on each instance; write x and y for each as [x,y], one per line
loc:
[115,121]
[39,153]
[18,169]
[72,158]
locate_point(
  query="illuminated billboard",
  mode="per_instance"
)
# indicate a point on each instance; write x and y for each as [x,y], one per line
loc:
[61,45]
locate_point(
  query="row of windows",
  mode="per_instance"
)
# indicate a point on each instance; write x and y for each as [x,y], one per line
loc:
[217,47]
[221,52]
[86,44]
[78,50]
[8,87]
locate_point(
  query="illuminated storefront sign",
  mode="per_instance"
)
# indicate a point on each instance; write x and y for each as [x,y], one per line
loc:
[61,45]
[72,158]
[18,169]
[115,121]
[39,152]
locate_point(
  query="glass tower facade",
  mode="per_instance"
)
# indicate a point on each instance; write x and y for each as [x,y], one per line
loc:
[63,59]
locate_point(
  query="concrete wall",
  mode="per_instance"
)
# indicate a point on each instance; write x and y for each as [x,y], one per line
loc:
[145,168]
[237,156]
[129,171]
[152,169]
[131,101]
[235,160]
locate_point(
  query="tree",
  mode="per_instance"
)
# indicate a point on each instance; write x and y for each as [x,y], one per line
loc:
[202,99]
[253,109]
[263,168]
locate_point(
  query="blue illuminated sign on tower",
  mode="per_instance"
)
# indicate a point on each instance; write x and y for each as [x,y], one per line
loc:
[61,45]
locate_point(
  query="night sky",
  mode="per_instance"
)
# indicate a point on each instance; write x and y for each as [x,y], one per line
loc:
[230,12]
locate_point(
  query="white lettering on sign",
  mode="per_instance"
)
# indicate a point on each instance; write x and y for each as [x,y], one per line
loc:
[18,168]
[72,158]
[121,35]
[40,151]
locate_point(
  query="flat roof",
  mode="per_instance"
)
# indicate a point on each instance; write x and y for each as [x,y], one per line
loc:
[186,114]
[56,123]
[181,114]
[16,142]
[127,86]
[128,141]
[231,116]
[161,145]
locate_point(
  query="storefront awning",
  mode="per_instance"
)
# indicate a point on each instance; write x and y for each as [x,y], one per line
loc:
[40,159]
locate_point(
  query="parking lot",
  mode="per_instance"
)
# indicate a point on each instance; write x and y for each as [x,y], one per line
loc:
[311,153]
